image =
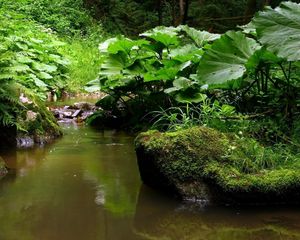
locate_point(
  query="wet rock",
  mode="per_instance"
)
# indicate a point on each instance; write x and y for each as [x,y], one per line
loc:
[84,106]
[3,169]
[25,142]
[67,114]
[76,113]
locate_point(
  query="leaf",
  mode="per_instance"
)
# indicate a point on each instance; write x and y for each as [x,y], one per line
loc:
[164,35]
[199,37]
[261,58]
[279,30]
[162,74]
[19,68]
[186,53]
[226,59]
[39,83]
[103,47]
[188,97]
[42,67]
[44,75]
[23,59]
[92,86]
[181,83]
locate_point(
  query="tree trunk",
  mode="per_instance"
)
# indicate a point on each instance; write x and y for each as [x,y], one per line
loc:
[159,11]
[186,12]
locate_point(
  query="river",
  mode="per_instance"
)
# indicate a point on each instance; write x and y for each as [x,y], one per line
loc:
[86,186]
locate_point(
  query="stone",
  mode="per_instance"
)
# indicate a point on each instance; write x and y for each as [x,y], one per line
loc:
[3,169]
[84,106]
[31,116]
[76,113]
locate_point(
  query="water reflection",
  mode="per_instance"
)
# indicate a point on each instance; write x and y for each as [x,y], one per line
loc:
[86,186]
[160,218]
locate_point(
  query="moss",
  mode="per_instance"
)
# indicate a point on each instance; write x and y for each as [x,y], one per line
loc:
[183,154]
[43,126]
[232,164]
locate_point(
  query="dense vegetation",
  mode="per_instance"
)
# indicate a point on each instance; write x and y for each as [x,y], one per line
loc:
[158,70]
[40,55]
[253,71]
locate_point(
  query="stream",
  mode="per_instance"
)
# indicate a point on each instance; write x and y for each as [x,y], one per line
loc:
[86,186]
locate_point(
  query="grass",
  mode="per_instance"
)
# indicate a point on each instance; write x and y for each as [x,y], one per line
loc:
[85,61]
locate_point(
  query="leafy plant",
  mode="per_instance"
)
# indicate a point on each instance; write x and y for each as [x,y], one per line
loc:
[208,113]
[140,68]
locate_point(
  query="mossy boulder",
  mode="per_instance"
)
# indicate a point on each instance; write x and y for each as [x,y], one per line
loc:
[37,125]
[204,164]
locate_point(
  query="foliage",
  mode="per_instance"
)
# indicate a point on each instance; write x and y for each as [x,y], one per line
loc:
[30,56]
[29,62]
[153,69]
[226,60]
[210,114]
[84,61]
[66,17]
[279,30]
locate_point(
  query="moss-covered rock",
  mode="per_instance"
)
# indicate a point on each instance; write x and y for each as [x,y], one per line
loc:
[37,125]
[204,164]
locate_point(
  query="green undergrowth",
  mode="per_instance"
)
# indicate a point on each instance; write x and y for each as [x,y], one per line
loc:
[233,162]
[35,61]
[84,59]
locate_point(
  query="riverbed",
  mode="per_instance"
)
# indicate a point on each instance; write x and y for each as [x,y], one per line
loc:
[86,186]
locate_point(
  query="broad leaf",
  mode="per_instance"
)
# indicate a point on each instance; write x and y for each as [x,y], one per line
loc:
[164,35]
[181,83]
[44,75]
[186,53]
[226,59]
[190,97]
[42,67]
[279,30]
[200,37]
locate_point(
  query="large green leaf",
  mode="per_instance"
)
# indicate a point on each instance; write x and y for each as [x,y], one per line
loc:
[279,30]
[42,67]
[164,35]
[199,37]
[186,53]
[226,59]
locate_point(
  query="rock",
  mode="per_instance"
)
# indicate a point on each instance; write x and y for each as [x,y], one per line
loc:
[31,115]
[3,169]
[24,99]
[84,106]
[67,114]
[25,142]
[76,113]
[202,164]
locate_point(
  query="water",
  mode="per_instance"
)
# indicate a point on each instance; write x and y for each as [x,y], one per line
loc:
[86,186]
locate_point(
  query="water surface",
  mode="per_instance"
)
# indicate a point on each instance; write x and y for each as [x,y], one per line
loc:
[86,186]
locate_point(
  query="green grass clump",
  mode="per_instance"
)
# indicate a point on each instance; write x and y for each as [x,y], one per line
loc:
[84,59]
